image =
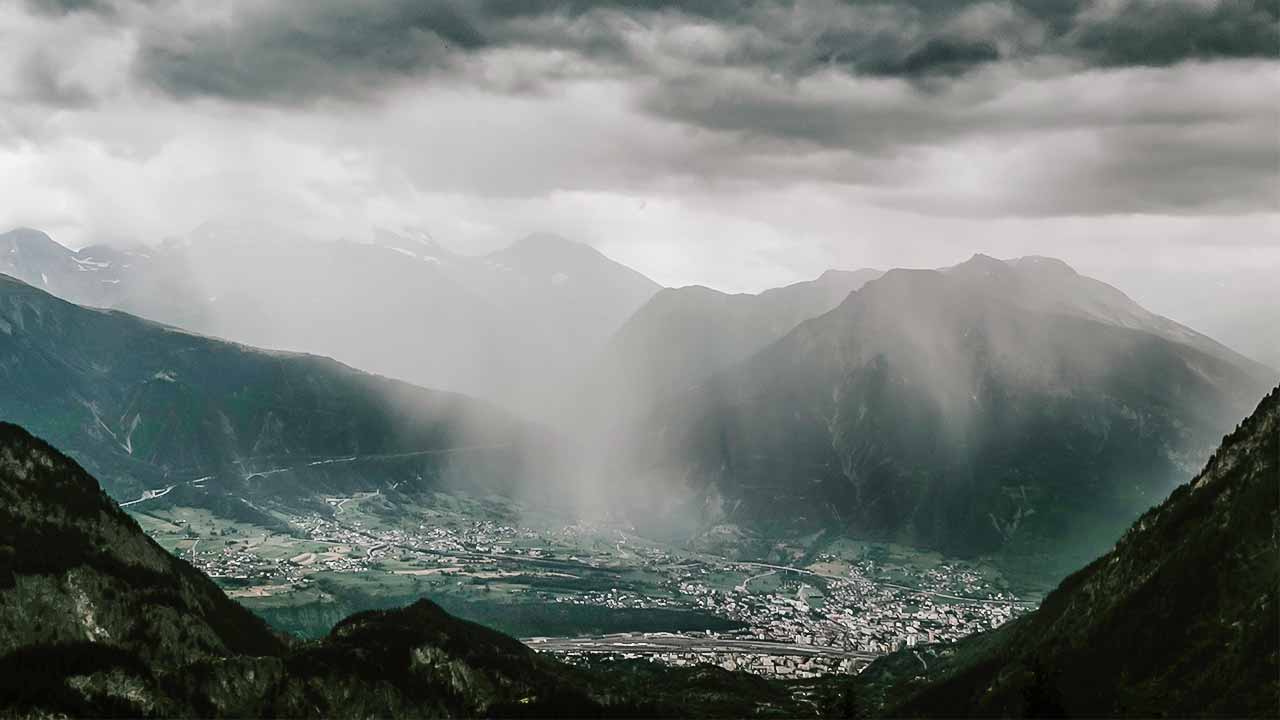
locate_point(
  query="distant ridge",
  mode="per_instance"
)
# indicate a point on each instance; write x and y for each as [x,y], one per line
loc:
[684,335]
[1013,408]
[1052,285]
[147,406]
[513,326]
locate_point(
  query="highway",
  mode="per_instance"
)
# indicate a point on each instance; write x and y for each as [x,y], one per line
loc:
[653,643]
[911,590]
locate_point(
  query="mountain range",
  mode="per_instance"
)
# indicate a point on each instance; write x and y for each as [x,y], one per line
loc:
[992,407]
[152,408]
[1012,408]
[512,326]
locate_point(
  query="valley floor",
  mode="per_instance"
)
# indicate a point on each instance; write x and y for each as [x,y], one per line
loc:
[588,591]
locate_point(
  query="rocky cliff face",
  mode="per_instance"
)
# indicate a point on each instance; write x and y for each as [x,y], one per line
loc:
[92,611]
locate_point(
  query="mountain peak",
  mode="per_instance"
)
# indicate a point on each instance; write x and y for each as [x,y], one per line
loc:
[835,275]
[1029,265]
[25,231]
[1043,265]
[543,258]
[980,266]
[547,245]
[28,238]
[548,240]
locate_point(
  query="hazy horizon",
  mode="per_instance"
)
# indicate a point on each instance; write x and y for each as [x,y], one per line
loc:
[1209,299]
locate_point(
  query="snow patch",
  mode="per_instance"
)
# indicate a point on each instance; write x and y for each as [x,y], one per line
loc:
[402,251]
[128,439]
[559,279]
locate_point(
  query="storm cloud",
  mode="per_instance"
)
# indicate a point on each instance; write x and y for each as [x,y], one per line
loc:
[289,52]
[734,144]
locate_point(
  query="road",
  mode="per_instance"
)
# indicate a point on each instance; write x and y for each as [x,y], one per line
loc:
[150,495]
[745,583]
[379,456]
[904,588]
[653,643]
[161,492]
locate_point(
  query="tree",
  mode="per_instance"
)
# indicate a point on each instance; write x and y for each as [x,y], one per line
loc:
[846,703]
[1041,698]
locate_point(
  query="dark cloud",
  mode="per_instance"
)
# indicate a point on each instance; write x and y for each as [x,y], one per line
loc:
[1170,170]
[943,56]
[1164,32]
[297,51]
[66,7]
[292,52]
[866,93]
[1202,140]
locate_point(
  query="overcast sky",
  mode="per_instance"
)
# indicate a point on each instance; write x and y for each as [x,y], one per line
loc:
[734,144]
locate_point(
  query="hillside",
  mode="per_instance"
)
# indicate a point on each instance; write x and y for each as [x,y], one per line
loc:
[975,410]
[1179,619]
[147,407]
[97,620]
[86,599]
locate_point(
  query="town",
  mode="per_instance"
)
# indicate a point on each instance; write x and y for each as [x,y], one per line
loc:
[831,614]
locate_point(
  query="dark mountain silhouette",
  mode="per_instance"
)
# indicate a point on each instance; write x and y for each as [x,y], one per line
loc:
[1179,619]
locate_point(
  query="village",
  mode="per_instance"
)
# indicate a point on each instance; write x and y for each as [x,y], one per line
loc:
[830,615]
